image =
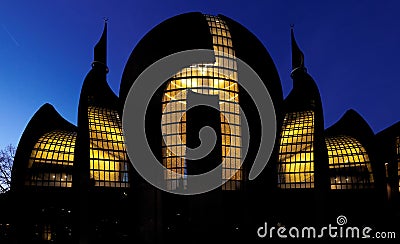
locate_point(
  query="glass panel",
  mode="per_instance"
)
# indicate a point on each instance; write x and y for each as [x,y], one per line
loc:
[219,79]
[51,160]
[47,233]
[296,152]
[349,164]
[108,159]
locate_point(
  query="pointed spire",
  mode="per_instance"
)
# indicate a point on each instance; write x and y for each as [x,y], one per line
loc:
[100,50]
[297,54]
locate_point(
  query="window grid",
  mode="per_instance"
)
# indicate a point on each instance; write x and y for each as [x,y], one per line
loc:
[349,164]
[398,158]
[296,151]
[219,79]
[108,159]
[47,233]
[51,160]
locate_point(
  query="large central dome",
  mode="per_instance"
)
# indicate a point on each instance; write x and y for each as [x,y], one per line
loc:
[191,31]
[219,80]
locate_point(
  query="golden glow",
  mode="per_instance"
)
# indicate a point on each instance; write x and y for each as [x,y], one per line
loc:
[46,233]
[51,160]
[108,159]
[398,158]
[296,152]
[219,79]
[348,163]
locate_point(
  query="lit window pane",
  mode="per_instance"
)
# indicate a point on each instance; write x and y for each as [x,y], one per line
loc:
[211,79]
[108,159]
[349,164]
[296,153]
[51,160]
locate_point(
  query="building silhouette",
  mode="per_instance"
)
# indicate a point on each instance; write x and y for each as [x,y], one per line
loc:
[76,184]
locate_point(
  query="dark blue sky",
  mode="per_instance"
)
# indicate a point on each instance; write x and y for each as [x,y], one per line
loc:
[351,49]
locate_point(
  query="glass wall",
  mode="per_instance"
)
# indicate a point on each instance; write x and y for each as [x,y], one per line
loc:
[51,160]
[349,164]
[296,151]
[108,158]
[218,79]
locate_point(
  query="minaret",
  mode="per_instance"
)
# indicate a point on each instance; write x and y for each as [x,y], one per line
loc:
[95,86]
[297,55]
[305,93]
[96,96]
[304,124]
[100,50]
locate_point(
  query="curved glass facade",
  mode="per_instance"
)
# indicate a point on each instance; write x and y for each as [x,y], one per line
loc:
[218,79]
[108,158]
[51,160]
[349,164]
[296,151]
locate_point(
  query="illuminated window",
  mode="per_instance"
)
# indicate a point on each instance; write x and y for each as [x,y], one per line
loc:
[296,152]
[51,160]
[348,163]
[108,159]
[398,158]
[46,233]
[219,79]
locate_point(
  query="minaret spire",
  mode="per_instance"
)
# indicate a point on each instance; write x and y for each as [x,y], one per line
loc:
[297,54]
[100,50]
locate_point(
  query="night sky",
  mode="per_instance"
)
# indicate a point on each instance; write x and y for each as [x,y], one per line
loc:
[351,48]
